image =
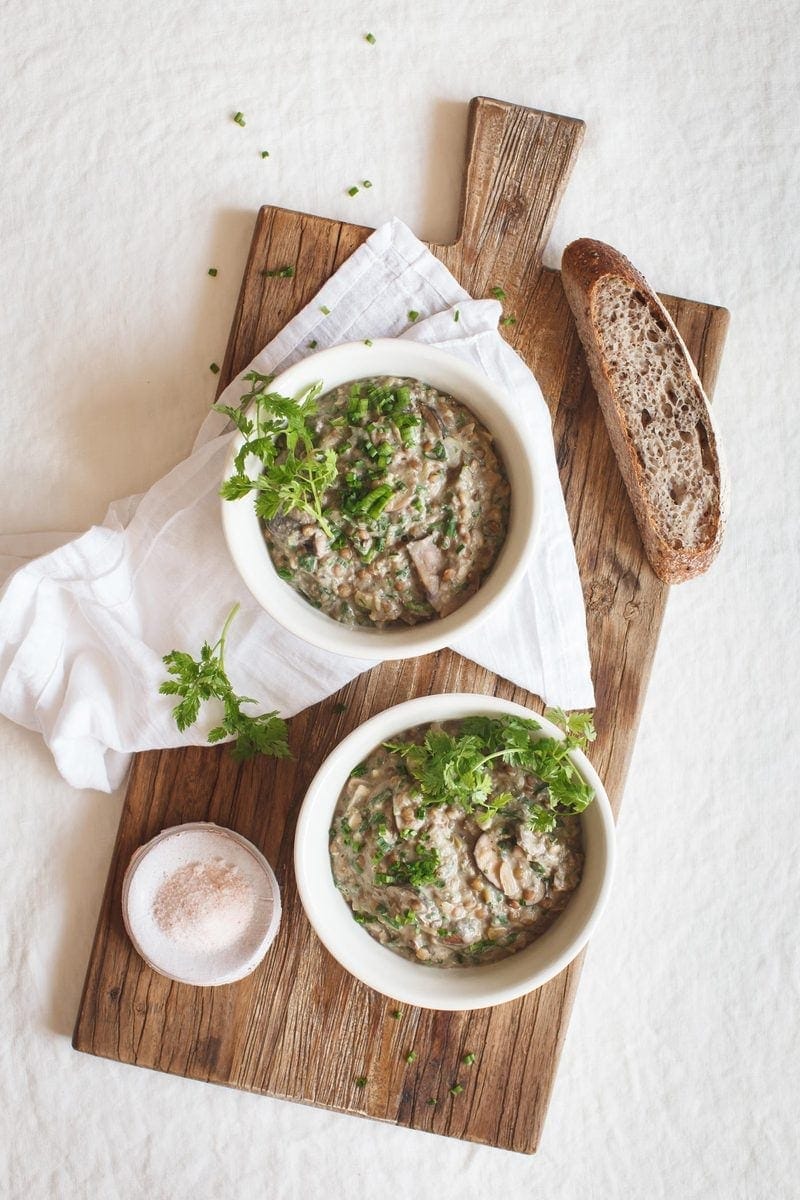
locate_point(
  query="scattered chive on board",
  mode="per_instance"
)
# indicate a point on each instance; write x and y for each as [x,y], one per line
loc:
[361,1081]
[212,271]
[214,368]
[265,153]
[456,315]
[468,1059]
[397,1014]
[509,320]
[323,308]
[286,272]
[366,183]
[411,1056]
[413,315]
[239,118]
[370,37]
[313,345]
[368,341]
[498,293]
[352,191]
[456,1089]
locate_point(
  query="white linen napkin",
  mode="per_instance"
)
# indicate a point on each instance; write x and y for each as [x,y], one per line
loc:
[84,626]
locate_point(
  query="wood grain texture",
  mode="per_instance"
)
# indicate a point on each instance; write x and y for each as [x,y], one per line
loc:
[300,1027]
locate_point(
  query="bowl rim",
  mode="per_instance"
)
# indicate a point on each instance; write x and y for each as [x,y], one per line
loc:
[365,958]
[525,469]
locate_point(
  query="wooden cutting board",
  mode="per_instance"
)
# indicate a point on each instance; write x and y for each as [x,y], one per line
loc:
[300,1027]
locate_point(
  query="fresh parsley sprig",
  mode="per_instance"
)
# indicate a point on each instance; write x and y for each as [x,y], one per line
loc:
[202,679]
[278,435]
[452,768]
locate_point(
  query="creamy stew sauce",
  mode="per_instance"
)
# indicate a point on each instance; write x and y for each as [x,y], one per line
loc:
[497,887]
[419,508]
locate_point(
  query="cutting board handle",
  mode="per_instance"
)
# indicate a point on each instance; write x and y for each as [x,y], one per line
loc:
[517,166]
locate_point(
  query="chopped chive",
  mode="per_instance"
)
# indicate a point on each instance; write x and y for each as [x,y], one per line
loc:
[323,308]
[468,1059]
[413,315]
[366,183]
[239,118]
[456,1089]
[498,293]
[412,1054]
[212,270]
[313,345]
[367,341]
[361,1081]
[509,320]
[279,273]
[397,1014]
[456,315]
[341,707]
[432,1102]
[370,37]
[352,191]
[214,369]
[265,153]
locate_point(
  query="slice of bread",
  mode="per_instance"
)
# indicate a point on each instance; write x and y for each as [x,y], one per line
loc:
[655,408]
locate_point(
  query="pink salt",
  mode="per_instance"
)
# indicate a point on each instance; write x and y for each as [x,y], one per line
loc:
[205,906]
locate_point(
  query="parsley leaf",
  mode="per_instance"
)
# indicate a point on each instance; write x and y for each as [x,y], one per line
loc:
[541,819]
[456,768]
[417,872]
[278,435]
[198,680]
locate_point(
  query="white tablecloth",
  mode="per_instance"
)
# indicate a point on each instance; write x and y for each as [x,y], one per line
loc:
[125,179]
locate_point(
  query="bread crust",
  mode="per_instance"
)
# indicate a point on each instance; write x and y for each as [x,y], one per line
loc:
[584,264]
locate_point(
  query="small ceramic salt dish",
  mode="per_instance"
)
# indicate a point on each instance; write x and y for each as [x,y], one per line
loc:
[201,904]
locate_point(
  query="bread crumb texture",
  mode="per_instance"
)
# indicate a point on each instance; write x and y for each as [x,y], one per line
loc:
[663,412]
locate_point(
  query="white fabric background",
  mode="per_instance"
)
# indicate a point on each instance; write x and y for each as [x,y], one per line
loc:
[124,179]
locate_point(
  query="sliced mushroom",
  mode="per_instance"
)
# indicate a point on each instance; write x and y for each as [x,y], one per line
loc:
[453,451]
[429,562]
[434,419]
[509,883]
[496,866]
[356,791]
[281,526]
[507,867]
[403,497]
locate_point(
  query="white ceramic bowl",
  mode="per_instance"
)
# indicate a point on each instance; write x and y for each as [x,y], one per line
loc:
[383,969]
[393,356]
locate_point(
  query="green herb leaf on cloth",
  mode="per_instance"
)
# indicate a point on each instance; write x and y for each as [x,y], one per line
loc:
[199,680]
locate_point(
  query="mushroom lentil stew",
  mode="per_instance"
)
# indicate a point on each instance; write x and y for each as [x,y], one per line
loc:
[450,847]
[416,514]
